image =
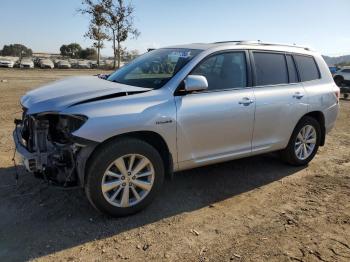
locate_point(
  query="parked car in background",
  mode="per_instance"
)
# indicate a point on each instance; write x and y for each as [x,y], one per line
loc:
[74,63]
[342,76]
[46,63]
[119,137]
[6,63]
[26,63]
[93,64]
[84,64]
[333,69]
[342,79]
[63,64]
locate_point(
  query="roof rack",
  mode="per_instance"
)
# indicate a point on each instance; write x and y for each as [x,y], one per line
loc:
[258,42]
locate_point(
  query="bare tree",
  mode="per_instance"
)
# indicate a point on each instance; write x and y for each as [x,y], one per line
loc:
[96,30]
[120,21]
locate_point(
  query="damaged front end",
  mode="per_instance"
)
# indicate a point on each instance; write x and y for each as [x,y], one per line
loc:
[48,148]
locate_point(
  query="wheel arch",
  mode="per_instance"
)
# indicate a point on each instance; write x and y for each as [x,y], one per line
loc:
[319,116]
[151,137]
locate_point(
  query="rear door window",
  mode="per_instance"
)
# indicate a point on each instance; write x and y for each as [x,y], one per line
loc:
[307,67]
[270,68]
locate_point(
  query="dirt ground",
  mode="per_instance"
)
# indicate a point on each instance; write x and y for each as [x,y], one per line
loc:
[254,209]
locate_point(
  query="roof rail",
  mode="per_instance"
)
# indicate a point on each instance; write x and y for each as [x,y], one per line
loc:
[237,41]
[258,42]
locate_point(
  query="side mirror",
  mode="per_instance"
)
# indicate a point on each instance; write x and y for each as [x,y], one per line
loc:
[195,83]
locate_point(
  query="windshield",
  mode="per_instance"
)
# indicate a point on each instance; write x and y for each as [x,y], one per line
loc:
[154,69]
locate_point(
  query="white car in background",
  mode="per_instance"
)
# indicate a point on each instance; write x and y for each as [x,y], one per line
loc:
[84,64]
[342,79]
[342,76]
[26,63]
[46,63]
[6,63]
[63,64]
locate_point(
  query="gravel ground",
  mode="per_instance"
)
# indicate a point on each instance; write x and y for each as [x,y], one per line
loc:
[254,209]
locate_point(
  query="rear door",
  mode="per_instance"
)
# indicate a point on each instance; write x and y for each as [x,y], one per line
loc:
[280,100]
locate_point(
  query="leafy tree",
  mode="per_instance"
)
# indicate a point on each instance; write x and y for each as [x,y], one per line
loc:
[16,50]
[72,50]
[64,50]
[120,21]
[88,53]
[130,55]
[96,30]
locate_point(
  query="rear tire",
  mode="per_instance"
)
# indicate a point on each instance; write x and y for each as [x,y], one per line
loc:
[116,163]
[299,152]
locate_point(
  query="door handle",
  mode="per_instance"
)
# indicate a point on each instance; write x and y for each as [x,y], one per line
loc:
[298,95]
[246,101]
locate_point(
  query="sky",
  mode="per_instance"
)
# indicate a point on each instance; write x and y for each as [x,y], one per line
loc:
[44,25]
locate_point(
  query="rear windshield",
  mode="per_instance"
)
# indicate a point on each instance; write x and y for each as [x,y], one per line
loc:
[154,69]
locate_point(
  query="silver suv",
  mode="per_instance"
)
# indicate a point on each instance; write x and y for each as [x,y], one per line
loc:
[173,109]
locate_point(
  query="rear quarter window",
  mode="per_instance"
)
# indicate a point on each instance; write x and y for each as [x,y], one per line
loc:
[307,68]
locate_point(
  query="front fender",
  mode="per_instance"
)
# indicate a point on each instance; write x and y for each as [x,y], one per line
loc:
[144,112]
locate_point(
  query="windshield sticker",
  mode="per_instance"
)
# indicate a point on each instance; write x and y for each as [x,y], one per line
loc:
[174,56]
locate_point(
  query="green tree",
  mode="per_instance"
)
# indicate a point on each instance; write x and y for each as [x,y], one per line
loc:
[96,31]
[88,53]
[16,50]
[130,55]
[120,22]
[72,50]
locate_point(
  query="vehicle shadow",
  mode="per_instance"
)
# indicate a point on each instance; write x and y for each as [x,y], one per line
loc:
[37,220]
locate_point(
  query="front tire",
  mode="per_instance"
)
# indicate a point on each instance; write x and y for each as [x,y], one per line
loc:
[124,176]
[304,142]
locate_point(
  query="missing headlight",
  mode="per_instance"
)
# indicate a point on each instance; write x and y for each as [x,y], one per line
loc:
[65,125]
[61,126]
[70,123]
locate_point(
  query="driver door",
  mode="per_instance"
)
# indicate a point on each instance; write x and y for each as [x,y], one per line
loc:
[216,124]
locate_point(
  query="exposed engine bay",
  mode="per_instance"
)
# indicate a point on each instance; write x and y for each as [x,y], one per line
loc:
[50,149]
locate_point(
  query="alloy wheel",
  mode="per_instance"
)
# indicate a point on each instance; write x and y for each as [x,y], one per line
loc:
[305,142]
[128,180]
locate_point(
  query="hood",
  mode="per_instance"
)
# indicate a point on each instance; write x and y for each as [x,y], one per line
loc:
[6,61]
[61,94]
[27,63]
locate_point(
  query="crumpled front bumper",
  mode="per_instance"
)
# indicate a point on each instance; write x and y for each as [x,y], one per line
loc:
[29,159]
